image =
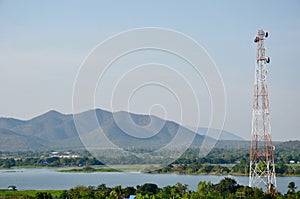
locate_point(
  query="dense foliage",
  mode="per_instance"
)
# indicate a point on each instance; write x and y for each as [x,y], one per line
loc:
[226,188]
[228,157]
[49,162]
[196,166]
[229,161]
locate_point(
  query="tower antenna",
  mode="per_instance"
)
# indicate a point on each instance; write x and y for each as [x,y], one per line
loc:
[262,167]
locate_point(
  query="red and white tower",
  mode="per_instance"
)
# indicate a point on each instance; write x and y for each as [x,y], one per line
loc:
[262,167]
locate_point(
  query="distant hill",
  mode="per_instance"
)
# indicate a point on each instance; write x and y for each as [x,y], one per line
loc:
[10,140]
[43,132]
[8,123]
[56,131]
[288,146]
[223,135]
[49,126]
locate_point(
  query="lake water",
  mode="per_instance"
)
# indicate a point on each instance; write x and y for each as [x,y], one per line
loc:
[43,179]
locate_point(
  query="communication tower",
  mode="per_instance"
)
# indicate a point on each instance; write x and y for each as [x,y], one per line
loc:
[262,167]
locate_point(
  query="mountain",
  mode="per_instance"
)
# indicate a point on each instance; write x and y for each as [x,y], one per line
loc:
[8,123]
[56,131]
[48,131]
[223,135]
[49,126]
[10,140]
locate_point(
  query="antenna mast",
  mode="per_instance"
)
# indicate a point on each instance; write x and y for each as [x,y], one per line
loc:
[262,167]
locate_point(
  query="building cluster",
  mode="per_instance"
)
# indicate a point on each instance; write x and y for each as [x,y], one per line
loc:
[63,154]
[294,162]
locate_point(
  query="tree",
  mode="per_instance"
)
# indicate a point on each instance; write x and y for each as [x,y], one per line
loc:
[73,193]
[10,162]
[63,195]
[128,191]
[205,188]
[182,188]
[226,186]
[258,192]
[43,195]
[292,187]
[103,190]
[116,192]
[281,168]
[148,188]
[206,168]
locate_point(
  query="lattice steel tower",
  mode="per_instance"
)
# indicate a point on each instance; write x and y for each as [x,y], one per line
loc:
[262,167]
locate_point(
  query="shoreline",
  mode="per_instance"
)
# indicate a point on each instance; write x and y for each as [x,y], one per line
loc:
[124,169]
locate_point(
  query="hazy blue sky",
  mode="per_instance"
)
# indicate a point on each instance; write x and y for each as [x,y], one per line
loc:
[42,44]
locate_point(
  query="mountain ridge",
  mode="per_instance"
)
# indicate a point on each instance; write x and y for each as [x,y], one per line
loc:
[52,130]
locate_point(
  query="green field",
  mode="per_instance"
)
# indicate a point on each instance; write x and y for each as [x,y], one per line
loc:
[26,193]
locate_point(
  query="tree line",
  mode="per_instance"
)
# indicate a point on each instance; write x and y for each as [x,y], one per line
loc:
[218,161]
[49,162]
[198,166]
[226,188]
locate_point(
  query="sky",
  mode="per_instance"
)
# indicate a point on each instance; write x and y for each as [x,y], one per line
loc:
[44,43]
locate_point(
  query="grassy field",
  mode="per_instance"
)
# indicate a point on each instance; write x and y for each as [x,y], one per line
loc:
[17,194]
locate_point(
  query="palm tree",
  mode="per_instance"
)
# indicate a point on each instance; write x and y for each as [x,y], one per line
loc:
[116,192]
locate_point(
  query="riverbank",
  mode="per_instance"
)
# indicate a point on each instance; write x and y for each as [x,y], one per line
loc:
[50,179]
[226,187]
[220,174]
[240,169]
[211,169]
